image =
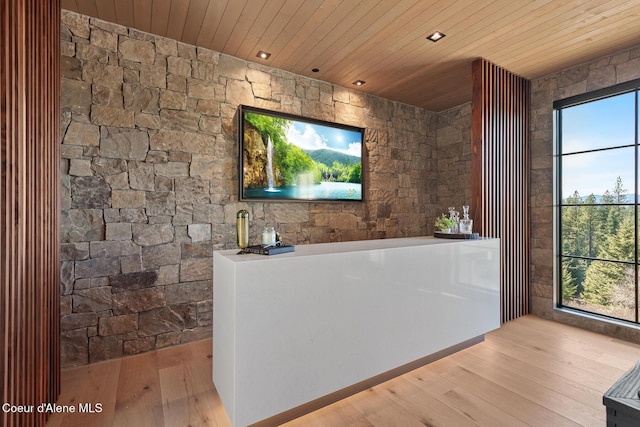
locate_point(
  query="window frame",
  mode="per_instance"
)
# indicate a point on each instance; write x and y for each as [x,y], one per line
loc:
[632,86]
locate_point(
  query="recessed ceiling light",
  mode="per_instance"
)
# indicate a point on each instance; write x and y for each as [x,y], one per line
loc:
[359,82]
[436,36]
[263,55]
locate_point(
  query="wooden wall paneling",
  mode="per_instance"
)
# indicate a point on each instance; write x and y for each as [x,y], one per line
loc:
[196,13]
[87,7]
[124,12]
[211,16]
[142,15]
[500,117]
[159,17]
[243,39]
[477,130]
[177,19]
[29,207]
[106,10]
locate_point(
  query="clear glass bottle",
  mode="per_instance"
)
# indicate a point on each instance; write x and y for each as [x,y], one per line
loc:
[455,216]
[466,223]
[268,236]
[242,228]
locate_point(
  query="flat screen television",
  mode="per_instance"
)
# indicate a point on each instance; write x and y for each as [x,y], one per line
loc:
[287,157]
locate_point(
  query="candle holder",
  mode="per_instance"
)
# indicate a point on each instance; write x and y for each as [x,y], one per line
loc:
[268,236]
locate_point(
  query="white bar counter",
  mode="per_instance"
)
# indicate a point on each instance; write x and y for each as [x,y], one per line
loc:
[295,331]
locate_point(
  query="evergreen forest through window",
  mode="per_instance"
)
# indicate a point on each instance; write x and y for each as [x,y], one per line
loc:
[597,215]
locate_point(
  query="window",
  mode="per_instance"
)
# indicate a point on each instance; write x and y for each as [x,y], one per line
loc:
[597,202]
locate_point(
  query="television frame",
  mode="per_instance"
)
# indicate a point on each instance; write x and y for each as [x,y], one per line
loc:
[285,196]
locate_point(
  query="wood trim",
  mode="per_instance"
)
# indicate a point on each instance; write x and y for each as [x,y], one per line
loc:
[477,126]
[500,175]
[29,207]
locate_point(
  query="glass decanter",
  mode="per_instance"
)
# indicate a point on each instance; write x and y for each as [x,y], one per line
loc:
[455,216]
[466,223]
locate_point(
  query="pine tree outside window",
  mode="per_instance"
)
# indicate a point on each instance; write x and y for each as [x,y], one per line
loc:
[596,199]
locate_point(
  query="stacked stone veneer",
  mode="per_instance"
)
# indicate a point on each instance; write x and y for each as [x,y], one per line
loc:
[604,72]
[453,157]
[150,181]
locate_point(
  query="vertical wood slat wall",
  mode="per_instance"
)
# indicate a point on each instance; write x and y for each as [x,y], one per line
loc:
[500,175]
[29,206]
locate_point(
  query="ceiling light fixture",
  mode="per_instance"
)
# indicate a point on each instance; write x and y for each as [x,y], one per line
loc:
[436,36]
[263,55]
[359,82]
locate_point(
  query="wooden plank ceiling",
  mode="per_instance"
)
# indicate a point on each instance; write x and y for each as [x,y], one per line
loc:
[383,42]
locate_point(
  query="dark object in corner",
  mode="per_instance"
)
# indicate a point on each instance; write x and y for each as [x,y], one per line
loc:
[623,400]
[472,236]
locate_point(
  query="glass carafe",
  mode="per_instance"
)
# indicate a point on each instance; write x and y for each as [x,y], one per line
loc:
[466,223]
[455,216]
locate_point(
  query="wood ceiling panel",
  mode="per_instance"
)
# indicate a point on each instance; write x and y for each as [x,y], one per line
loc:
[248,28]
[227,24]
[124,12]
[206,31]
[69,5]
[383,41]
[357,42]
[465,32]
[589,46]
[470,32]
[298,29]
[419,59]
[87,7]
[211,19]
[545,33]
[521,30]
[194,20]
[420,21]
[335,40]
[307,37]
[280,20]
[568,42]
[106,10]
[435,89]
[305,54]
[177,19]
[410,51]
[160,17]
[142,14]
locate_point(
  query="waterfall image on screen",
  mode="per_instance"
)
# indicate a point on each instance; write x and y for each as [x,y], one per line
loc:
[286,157]
[270,180]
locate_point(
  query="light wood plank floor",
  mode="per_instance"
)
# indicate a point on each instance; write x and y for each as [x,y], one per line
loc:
[529,372]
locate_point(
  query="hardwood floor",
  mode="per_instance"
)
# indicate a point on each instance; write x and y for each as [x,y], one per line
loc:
[529,372]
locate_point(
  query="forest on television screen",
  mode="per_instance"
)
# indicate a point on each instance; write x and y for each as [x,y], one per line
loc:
[291,162]
[596,236]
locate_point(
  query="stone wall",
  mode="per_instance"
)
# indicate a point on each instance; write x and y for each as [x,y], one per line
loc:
[150,182]
[604,72]
[453,157]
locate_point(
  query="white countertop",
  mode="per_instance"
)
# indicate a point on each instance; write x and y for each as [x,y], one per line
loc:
[342,247]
